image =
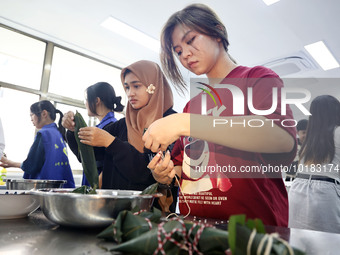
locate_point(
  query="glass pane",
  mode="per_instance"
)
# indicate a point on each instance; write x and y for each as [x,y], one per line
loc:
[20,54]
[71,74]
[18,129]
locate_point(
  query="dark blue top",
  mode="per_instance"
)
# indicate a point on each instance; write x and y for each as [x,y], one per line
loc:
[47,158]
[109,117]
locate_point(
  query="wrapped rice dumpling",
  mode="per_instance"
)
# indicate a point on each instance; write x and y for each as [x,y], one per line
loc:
[137,234]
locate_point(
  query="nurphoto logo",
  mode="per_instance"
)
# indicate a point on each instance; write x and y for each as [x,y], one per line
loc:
[240,101]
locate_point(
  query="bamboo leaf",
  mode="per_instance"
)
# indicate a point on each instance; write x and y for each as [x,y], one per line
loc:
[152,189]
[136,236]
[84,190]
[88,159]
[233,220]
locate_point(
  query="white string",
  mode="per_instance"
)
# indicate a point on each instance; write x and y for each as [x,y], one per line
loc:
[185,200]
[291,252]
[259,248]
[250,241]
[269,244]
[270,238]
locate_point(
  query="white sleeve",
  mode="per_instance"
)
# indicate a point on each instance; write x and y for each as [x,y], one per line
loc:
[2,140]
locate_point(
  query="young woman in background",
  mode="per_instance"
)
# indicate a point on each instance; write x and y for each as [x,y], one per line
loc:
[47,158]
[101,102]
[314,197]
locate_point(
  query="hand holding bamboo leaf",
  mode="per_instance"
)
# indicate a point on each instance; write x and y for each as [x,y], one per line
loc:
[86,154]
[95,136]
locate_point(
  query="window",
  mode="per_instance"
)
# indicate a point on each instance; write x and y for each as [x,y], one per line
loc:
[71,74]
[15,116]
[21,59]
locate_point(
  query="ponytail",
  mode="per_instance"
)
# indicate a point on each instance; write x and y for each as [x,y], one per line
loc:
[107,95]
[118,107]
[38,107]
[61,129]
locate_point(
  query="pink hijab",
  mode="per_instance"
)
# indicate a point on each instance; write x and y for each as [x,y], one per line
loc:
[160,101]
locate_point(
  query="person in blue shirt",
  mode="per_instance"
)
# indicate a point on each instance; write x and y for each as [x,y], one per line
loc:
[47,158]
[101,102]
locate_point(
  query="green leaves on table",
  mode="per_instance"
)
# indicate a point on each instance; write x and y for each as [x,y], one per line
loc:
[152,189]
[86,152]
[249,237]
[137,234]
[128,225]
[145,233]
[84,190]
[164,201]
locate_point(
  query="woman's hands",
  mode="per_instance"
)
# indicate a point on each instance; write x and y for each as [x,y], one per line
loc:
[5,162]
[68,121]
[95,137]
[88,135]
[162,169]
[166,130]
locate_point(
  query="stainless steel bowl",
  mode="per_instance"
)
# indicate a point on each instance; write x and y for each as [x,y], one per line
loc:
[16,204]
[27,184]
[79,210]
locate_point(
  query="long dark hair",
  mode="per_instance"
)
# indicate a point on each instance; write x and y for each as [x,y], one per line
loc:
[38,107]
[319,147]
[107,95]
[198,17]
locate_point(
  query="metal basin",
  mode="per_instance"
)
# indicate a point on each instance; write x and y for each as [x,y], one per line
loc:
[16,204]
[27,184]
[79,210]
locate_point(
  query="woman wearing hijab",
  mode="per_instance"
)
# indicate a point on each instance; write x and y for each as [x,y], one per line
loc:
[126,159]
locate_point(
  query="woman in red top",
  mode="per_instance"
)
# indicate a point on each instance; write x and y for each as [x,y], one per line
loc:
[228,164]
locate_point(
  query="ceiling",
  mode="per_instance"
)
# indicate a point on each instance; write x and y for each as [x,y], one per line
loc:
[258,33]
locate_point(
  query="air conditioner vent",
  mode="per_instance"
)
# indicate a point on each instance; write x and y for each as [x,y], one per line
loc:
[296,63]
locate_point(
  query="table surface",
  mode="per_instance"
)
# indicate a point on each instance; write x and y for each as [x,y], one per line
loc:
[39,236]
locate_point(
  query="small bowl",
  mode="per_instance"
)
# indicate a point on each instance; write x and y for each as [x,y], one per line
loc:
[98,210]
[17,204]
[28,184]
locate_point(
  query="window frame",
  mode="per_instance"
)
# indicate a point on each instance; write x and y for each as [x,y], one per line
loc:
[43,92]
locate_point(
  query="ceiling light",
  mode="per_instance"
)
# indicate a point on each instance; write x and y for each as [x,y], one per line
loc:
[322,55]
[269,2]
[131,33]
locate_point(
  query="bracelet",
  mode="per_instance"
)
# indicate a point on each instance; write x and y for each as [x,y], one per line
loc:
[163,186]
[167,186]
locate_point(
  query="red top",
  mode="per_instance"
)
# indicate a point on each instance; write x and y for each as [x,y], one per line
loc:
[219,181]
